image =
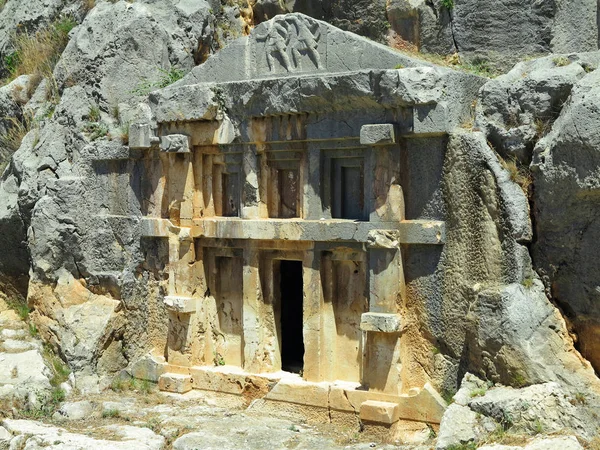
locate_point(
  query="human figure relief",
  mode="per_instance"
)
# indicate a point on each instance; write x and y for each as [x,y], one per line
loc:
[277,39]
[306,41]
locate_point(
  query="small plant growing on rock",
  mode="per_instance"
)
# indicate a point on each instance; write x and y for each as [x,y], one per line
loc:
[527,283]
[166,78]
[111,413]
[448,4]
[580,398]
[561,61]
[478,392]
[518,174]
[218,359]
[537,427]
[94,114]
[38,53]
[19,306]
[96,130]
[33,331]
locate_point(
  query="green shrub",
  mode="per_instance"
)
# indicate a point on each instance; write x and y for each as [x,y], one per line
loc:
[448,4]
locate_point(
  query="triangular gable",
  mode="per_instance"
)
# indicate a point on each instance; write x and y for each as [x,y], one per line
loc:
[295,45]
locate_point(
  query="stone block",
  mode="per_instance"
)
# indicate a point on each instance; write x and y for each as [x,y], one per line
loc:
[174,382]
[179,304]
[300,392]
[431,119]
[380,322]
[149,368]
[212,379]
[175,143]
[379,134]
[425,406]
[432,232]
[379,412]
[383,239]
[140,135]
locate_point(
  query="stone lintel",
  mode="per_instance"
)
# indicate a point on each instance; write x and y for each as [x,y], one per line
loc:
[375,234]
[431,232]
[378,134]
[174,382]
[175,143]
[179,304]
[379,412]
[380,322]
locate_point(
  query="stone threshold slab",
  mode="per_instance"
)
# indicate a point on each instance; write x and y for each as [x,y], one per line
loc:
[426,232]
[421,405]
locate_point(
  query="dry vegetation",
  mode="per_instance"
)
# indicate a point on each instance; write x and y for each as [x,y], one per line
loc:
[35,55]
[518,173]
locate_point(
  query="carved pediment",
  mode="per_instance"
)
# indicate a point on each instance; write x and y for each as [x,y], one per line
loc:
[296,44]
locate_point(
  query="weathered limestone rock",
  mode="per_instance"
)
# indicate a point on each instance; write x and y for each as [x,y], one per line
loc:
[461,426]
[35,435]
[564,168]
[551,443]
[123,44]
[545,406]
[78,322]
[363,17]
[469,387]
[75,411]
[425,24]
[500,32]
[517,109]
[173,382]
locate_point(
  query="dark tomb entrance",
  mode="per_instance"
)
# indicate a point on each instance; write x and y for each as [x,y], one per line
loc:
[292,341]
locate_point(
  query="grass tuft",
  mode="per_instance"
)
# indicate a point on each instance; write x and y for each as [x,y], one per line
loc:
[19,306]
[166,78]
[37,54]
[518,173]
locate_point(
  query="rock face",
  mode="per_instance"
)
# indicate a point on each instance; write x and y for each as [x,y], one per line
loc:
[168,243]
[34,435]
[364,17]
[479,411]
[564,166]
[500,31]
[548,119]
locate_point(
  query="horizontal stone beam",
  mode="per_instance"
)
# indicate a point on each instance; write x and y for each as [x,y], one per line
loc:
[378,134]
[336,230]
[428,232]
[380,322]
[179,304]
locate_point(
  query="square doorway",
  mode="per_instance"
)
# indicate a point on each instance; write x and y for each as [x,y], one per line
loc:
[291,323]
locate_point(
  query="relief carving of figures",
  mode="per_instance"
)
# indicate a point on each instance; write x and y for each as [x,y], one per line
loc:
[295,35]
[306,42]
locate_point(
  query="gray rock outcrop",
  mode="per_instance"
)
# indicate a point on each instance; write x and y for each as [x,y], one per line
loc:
[499,32]
[543,112]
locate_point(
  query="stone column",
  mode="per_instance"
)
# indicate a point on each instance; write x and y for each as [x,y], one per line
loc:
[312,308]
[311,195]
[251,310]
[250,194]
